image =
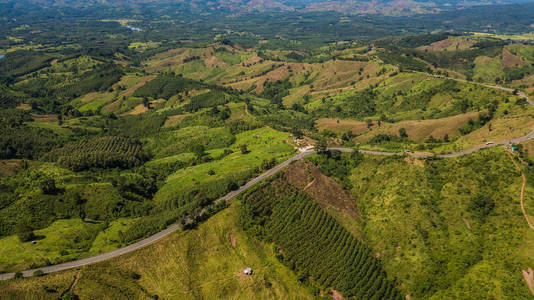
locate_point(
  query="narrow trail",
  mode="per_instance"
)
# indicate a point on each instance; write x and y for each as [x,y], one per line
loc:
[522,197]
[151,239]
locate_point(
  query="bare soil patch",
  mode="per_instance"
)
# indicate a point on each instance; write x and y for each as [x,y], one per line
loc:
[24,106]
[528,275]
[253,60]
[336,295]
[420,130]
[139,109]
[90,97]
[173,121]
[466,222]
[327,192]
[356,127]
[414,161]
[449,44]
[44,118]
[214,61]
[10,167]
[232,240]
[510,60]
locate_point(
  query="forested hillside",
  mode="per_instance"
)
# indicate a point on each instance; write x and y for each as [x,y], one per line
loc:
[118,123]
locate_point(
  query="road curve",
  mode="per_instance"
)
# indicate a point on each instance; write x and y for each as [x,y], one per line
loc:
[151,239]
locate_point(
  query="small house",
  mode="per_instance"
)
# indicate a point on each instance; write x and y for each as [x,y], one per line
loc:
[247,271]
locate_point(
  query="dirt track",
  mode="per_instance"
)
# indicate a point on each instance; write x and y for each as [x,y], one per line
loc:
[522,197]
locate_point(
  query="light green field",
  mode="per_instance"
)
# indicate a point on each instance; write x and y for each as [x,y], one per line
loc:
[518,37]
[61,241]
[263,143]
[488,69]
[109,239]
[200,263]
[525,52]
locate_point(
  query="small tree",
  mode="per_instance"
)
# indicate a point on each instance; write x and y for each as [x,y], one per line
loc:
[48,186]
[82,215]
[69,296]
[198,150]
[402,133]
[320,146]
[18,275]
[244,149]
[446,138]
[24,232]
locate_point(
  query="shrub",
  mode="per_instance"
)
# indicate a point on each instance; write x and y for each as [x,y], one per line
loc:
[24,232]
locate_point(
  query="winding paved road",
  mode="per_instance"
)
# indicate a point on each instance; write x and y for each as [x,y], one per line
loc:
[269,173]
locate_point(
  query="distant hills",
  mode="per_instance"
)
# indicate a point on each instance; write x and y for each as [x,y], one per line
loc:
[353,7]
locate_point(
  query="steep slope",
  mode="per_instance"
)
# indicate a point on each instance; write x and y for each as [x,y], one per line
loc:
[201,263]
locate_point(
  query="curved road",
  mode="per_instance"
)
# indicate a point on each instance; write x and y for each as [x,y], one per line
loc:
[269,173]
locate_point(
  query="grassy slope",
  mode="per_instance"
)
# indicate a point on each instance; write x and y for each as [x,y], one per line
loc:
[201,263]
[416,218]
[263,143]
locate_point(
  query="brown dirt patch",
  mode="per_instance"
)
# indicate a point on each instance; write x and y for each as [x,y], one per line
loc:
[24,106]
[449,44]
[327,192]
[510,60]
[528,275]
[44,118]
[90,97]
[466,222]
[214,61]
[112,106]
[414,161]
[420,130]
[142,81]
[356,127]
[173,121]
[10,167]
[232,240]
[139,109]
[439,45]
[336,295]
[253,60]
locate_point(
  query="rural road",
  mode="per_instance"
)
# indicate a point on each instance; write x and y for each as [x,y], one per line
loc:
[227,197]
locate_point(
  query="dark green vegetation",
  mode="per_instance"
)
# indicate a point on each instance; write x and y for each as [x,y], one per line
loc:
[167,85]
[105,152]
[109,134]
[312,243]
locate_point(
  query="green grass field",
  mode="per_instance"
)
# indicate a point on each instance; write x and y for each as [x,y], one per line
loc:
[200,263]
[263,143]
[446,235]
